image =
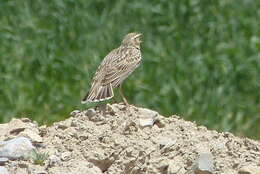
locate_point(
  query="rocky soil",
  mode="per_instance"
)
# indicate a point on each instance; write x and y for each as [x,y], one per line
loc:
[120,140]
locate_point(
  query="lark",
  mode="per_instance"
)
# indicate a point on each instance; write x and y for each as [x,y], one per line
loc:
[114,69]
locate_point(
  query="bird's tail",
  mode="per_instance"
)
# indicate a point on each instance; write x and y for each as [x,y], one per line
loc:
[98,93]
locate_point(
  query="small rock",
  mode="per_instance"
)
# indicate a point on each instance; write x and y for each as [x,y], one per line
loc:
[65,156]
[204,164]
[3,161]
[61,126]
[146,122]
[250,169]
[26,120]
[15,148]
[16,126]
[3,170]
[147,112]
[34,137]
[54,160]
[166,143]
[74,113]
[147,117]
[90,113]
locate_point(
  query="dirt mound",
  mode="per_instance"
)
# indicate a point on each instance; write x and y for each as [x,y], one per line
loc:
[134,140]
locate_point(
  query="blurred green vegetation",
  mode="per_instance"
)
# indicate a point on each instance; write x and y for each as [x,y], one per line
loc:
[201,58]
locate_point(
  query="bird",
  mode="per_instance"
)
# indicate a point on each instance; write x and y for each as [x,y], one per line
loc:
[114,69]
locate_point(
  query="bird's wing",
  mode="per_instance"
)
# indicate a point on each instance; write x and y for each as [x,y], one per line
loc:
[121,66]
[101,71]
[99,91]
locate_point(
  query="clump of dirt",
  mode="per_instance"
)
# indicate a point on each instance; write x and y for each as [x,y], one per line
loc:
[130,140]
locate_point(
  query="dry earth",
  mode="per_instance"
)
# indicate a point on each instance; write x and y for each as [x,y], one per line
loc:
[120,140]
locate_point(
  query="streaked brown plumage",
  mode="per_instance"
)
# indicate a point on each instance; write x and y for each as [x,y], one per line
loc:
[114,69]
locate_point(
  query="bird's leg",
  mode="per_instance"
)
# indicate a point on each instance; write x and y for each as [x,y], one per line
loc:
[122,95]
[115,100]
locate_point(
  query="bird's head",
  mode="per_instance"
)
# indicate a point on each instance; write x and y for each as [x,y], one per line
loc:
[132,39]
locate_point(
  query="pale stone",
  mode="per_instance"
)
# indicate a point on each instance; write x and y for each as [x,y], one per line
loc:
[15,148]
[32,135]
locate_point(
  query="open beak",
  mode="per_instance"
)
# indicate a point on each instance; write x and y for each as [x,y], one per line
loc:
[139,37]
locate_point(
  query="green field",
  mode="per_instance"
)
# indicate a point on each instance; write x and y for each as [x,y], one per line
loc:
[201,58]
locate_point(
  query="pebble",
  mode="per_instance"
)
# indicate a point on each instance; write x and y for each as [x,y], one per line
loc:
[61,125]
[166,143]
[204,164]
[16,126]
[65,156]
[34,137]
[74,113]
[90,113]
[15,148]
[3,161]
[53,160]
[146,122]
[147,118]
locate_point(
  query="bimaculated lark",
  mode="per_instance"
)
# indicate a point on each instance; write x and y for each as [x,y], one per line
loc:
[114,69]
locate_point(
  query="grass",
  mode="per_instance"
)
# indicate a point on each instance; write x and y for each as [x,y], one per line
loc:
[39,158]
[201,58]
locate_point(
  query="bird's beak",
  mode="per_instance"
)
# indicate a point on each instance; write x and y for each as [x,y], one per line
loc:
[139,37]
